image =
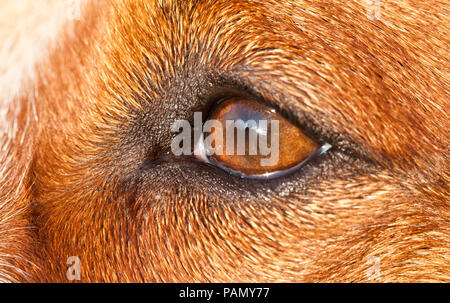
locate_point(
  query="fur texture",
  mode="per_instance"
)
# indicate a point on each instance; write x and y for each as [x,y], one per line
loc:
[81,169]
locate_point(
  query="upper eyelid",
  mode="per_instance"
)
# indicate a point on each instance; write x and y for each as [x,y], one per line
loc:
[263,91]
[239,89]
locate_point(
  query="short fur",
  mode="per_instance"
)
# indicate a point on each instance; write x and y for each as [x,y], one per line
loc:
[81,174]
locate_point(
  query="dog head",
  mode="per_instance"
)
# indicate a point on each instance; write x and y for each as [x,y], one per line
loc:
[99,181]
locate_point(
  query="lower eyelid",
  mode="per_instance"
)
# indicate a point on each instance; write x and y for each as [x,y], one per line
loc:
[201,155]
[323,149]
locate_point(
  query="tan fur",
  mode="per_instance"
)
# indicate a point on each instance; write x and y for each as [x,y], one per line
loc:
[102,105]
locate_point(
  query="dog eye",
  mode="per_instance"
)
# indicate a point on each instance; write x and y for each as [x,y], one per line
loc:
[249,139]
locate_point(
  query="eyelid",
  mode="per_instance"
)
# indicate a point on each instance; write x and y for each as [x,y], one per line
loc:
[262,90]
[200,153]
[236,86]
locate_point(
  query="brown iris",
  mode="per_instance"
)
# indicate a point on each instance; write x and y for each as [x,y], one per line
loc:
[252,139]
